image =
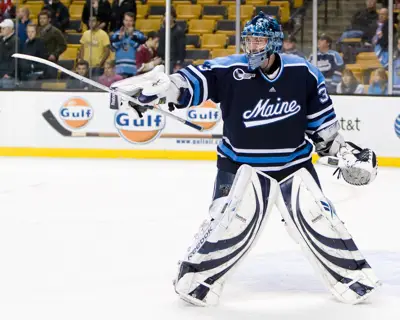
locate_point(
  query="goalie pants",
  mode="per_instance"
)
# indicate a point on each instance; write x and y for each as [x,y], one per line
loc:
[224,179]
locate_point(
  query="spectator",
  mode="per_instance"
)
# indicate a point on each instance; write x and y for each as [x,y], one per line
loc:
[146,58]
[59,14]
[125,42]
[7,9]
[349,84]
[363,23]
[290,47]
[329,62]
[95,45]
[35,47]
[7,49]
[82,68]
[118,10]
[23,21]
[109,76]
[100,9]
[379,83]
[53,39]
[381,38]
[396,68]
[178,43]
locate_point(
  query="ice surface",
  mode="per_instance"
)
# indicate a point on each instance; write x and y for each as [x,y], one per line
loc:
[100,239]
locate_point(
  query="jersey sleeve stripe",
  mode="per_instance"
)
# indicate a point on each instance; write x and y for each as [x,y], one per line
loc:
[203,81]
[317,123]
[317,114]
[194,83]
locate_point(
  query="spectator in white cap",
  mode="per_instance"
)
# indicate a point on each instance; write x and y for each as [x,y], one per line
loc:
[7,49]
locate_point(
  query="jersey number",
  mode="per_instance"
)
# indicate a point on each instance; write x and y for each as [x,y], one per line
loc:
[323,95]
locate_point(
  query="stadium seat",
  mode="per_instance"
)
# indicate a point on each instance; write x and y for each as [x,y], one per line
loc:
[178,2]
[70,54]
[34,8]
[54,85]
[192,41]
[81,2]
[226,26]
[191,11]
[207,2]
[351,40]
[257,2]
[66,2]
[298,3]
[197,54]
[366,56]
[67,64]
[285,9]
[230,2]
[147,25]
[199,62]
[156,2]
[201,26]
[271,10]
[214,12]
[366,87]
[221,53]
[74,26]
[156,12]
[246,12]
[142,10]
[231,41]
[75,11]
[74,38]
[213,41]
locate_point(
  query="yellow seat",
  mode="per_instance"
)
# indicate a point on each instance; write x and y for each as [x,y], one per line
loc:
[366,56]
[156,2]
[207,2]
[148,25]
[178,2]
[201,26]
[246,12]
[366,87]
[221,53]
[81,2]
[54,85]
[298,3]
[186,12]
[34,8]
[141,11]
[228,3]
[351,40]
[66,2]
[285,9]
[70,53]
[75,11]
[257,2]
[213,41]
[199,62]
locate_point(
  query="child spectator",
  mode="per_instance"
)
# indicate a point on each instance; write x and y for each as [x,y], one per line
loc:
[146,58]
[349,84]
[109,76]
[23,21]
[379,85]
[82,68]
[95,45]
[59,13]
[7,49]
[33,46]
[125,42]
[100,9]
[118,10]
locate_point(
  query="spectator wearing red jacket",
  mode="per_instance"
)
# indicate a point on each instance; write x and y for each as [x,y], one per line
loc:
[146,56]
[7,10]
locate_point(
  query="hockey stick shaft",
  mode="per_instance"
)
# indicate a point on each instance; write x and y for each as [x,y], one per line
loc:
[103,87]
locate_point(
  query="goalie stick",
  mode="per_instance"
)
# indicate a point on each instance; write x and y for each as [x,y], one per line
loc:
[56,125]
[104,88]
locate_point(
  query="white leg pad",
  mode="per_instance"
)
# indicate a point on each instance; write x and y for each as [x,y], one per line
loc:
[223,241]
[312,222]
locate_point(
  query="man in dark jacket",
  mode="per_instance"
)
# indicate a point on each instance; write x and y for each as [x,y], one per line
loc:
[365,21]
[33,46]
[101,9]
[178,43]
[82,68]
[118,10]
[7,49]
[59,13]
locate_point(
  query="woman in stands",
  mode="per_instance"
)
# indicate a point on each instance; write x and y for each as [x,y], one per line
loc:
[349,84]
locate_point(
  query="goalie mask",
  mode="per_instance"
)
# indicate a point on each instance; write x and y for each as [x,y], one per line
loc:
[261,37]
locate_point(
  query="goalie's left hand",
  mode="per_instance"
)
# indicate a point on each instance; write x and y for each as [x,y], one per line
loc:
[357,166]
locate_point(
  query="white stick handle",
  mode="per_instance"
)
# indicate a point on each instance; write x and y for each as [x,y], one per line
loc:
[103,87]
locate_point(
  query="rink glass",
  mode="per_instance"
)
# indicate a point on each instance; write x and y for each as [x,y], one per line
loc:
[333,18]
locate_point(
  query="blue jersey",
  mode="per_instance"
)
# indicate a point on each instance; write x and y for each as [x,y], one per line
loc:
[265,120]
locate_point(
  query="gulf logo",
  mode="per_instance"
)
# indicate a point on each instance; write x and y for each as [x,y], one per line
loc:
[139,130]
[206,115]
[76,112]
